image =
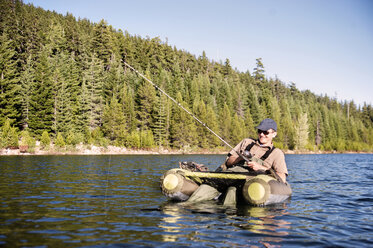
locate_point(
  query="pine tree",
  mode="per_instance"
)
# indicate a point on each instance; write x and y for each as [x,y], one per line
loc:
[128,103]
[254,106]
[237,132]
[302,132]
[10,101]
[249,125]
[65,92]
[146,101]
[9,135]
[113,121]
[183,128]
[93,100]
[60,142]
[27,143]
[114,80]
[199,110]
[286,128]
[146,139]
[41,104]
[102,43]
[212,123]
[259,70]
[57,73]
[45,140]
[161,124]
[27,82]
[225,122]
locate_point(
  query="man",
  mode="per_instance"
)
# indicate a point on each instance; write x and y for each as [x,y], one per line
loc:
[265,156]
[262,148]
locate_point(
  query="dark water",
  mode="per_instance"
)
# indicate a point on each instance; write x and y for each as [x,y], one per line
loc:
[115,201]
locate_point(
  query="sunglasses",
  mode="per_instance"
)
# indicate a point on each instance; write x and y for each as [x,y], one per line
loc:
[263,132]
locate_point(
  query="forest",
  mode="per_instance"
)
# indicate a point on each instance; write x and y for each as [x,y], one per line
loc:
[64,81]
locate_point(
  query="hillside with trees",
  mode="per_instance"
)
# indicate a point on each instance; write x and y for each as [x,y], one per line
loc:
[63,80]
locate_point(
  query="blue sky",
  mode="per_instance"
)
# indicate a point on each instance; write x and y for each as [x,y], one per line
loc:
[325,46]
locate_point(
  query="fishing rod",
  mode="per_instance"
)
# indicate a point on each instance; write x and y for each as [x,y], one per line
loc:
[178,104]
[246,156]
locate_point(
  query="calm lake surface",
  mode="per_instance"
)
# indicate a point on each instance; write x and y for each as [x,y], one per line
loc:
[115,201]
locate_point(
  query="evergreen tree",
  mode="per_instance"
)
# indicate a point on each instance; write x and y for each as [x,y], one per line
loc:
[250,130]
[146,101]
[199,110]
[27,143]
[114,79]
[114,124]
[237,132]
[183,129]
[286,128]
[225,122]
[102,43]
[254,106]
[9,136]
[10,101]
[302,132]
[60,142]
[93,100]
[41,102]
[161,125]
[45,140]
[57,73]
[146,139]
[27,82]
[128,103]
[259,70]
[212,123]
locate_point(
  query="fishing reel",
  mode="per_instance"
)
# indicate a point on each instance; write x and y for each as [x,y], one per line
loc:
[247,156]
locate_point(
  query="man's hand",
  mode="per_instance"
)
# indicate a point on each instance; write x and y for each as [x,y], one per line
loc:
[255,166]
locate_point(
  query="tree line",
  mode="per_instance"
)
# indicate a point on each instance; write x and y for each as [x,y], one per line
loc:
[64,78]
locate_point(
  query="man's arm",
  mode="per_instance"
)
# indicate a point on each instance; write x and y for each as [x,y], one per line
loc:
[256,166]
[232,160]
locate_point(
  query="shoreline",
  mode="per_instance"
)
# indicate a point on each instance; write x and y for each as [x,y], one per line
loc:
[113,150]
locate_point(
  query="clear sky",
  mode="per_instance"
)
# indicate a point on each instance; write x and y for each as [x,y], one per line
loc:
[325,46]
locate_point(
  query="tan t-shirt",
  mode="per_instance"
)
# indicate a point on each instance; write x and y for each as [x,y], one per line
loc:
[275,160]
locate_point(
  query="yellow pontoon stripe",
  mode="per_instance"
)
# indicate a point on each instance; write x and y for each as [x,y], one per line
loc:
[187,173]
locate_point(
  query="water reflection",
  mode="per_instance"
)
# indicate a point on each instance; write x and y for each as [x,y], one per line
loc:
[97,201]
[170,223]
[180,219]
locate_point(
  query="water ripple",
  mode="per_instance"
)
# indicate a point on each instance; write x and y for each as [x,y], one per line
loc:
[111,201]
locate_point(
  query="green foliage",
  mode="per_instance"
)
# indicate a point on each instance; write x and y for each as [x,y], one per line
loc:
[9,136]
[67,76]
[60,142]
[147,139]
[41,102]
[97,138]
[114,124]
[133,140]
[73,138]
[301,132]
[27,143]
[9,77]
[45,140]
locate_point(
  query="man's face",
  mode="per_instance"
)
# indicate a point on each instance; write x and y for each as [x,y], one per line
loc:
[265,137]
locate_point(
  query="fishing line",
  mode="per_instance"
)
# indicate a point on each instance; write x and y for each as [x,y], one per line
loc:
[203,124]
[107,186]
[177,103]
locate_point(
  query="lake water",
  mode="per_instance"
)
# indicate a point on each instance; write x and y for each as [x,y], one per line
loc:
[115,201]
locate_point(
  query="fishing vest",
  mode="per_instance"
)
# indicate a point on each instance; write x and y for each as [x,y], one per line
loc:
[265,156]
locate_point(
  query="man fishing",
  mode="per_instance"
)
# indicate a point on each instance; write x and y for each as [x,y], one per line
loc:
[249,155]
[262,149]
